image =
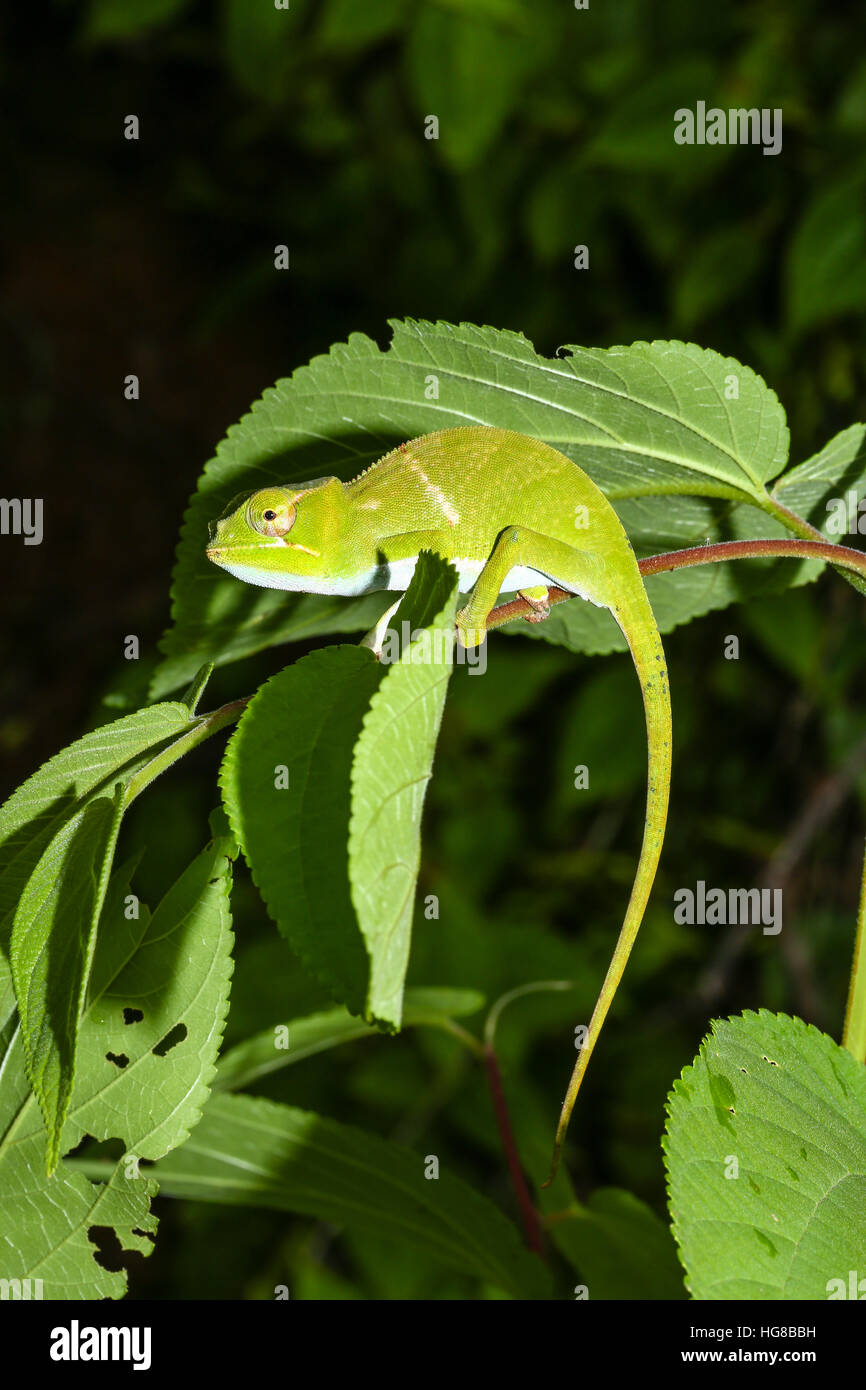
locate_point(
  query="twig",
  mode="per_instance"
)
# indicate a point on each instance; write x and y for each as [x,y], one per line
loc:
[528,1214]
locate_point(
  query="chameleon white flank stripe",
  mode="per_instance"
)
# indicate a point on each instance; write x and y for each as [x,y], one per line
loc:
[396,575]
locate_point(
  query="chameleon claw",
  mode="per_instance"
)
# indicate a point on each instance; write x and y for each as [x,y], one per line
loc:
[539,610]
[539,605]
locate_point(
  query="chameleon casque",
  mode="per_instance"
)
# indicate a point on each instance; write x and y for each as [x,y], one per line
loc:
[510,513]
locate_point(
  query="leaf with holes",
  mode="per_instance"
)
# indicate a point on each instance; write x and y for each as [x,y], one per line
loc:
[158,1001]
[147,1050]
[53,936]
[765,1149]
[57,838]
[47,1222]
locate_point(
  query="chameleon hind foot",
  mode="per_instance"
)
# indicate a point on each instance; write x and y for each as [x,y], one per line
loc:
[538,600]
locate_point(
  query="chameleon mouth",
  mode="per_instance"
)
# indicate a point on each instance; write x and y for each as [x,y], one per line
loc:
[214,552]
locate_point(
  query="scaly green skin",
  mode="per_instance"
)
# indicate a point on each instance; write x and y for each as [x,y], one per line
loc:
[501,507]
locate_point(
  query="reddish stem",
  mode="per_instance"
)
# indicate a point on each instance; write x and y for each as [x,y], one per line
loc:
[841,555]
[528,1214]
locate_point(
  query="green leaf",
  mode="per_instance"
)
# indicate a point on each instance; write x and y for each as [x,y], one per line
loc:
[57,838]
[827,491]
[636,131]
[601,730]
[567,197]
[127,19]
[766,1155]
[151,979]
[826,267]
[468,71]
[392,765]
[261,46]
[792,629]
[839,468]
[257,1153]
[659,418]
[60,788]
[347,26]
[645,422]
[619,1247]
[266,1052]
[54,1244]
[305,719]
[53,936]
[716,271]
[151,1074]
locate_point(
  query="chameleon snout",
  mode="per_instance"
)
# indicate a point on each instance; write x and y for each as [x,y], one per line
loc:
[212,550]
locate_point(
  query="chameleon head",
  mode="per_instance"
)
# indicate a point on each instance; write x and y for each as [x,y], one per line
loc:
[277,537]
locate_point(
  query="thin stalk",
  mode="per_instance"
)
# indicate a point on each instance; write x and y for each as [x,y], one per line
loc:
[519,993]
[202,729]
[842,556]
[854,1032]
[798,524]
[528,1214]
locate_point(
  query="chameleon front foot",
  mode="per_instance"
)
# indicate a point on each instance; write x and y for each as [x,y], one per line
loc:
[470,631]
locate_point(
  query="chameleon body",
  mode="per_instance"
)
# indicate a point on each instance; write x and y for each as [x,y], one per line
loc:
[510,513]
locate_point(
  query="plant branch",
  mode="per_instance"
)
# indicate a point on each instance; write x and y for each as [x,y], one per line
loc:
[528,1214]
[842,556]
[200,730]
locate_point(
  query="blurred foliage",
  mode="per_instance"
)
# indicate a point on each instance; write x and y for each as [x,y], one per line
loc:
[307,127]
[555,129]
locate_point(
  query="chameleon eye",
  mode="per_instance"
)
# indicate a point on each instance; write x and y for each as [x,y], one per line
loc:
[270,515]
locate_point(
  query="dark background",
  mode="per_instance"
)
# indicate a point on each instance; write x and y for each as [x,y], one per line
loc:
[155,257]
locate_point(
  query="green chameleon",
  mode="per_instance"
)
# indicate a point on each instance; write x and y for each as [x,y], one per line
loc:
[509,513]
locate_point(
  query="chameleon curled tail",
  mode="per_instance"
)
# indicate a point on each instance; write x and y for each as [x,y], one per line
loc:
[634,614]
